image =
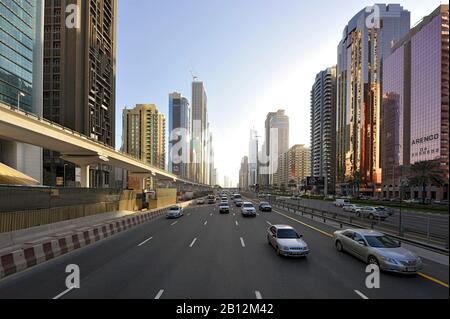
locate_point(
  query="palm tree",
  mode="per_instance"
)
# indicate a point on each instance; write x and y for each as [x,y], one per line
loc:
[422,174]
[355,181]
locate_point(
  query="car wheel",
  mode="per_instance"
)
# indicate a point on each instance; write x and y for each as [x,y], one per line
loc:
[278,252]
[372,260]
[339,246]
[358,214]
[371,217]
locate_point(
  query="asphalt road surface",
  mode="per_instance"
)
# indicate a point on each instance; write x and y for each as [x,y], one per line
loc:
[212,256]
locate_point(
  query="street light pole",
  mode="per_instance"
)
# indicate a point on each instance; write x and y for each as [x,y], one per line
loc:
[19,94]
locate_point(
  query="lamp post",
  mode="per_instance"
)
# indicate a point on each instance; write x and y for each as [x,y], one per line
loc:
[19,94]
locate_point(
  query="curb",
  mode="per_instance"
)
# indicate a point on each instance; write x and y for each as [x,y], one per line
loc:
[34,254]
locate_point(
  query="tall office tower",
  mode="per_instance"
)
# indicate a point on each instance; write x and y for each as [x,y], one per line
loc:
[199,129]
[79,80]
[179,135]
[281,176]
[415,116]
[366,40]
[243,174]
[323,127]
[253,158]
[277,141]
[21,49]
[211,160]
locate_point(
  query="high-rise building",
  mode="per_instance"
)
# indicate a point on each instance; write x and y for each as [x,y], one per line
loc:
[144,135]
[323,126]
[21,49]
[199,135]
[367,38]
[253,158]
[294,166]
[243,174]
[415,117]
[277,141]
[211,160]
[179,134]
[79,80]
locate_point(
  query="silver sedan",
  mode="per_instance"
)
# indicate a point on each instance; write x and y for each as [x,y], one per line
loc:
[286,241]
[376,248]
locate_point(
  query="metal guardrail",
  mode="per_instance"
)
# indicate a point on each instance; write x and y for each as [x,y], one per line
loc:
[352,222]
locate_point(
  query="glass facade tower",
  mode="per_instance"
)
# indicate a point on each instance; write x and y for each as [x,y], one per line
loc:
[366,40]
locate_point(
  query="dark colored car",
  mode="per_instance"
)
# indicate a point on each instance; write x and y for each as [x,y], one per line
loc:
[265,207]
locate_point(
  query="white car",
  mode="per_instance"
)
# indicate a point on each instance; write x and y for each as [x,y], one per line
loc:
[351,208]
[174,212]
[286,241]
[248,209]
[341,202]
[372,213]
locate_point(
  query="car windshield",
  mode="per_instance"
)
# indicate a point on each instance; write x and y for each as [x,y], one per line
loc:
[382,242]
[248,205]
[264,204]
[381,209]
[174,208]
[223,204]
[287,234]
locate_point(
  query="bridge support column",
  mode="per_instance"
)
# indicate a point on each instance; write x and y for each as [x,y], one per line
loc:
[84,176]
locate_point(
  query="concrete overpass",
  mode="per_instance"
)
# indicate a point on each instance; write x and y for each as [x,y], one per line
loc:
[20,126]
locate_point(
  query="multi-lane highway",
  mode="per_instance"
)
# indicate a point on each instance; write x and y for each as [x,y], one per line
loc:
[208,255]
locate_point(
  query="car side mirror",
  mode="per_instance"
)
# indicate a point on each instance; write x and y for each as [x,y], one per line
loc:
[362,242]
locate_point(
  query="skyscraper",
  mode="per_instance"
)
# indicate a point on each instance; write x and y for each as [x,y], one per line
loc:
[415,117]
[323,126]
[253,158]
[79,79]
[294,166]
[243,174]
[277,141]
[144,135]
[199,133]
[21,49]
[179,128]
[366,40]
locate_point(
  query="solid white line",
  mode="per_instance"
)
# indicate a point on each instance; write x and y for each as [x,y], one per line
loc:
[158,296]
[268,223]
[174,223]
[64,293]
[242,242]
[145,241]
[193,243]
[258,295]
[206,223]
[361,295]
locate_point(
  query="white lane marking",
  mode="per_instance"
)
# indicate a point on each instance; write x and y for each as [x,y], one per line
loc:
[206,223]
[63,293]
[158,296]
[193,243]
[237,224]
[258,295]
[189,214]
[242,242]
[234,214]
[145,241]
[211,214]
[361,294]
[268,223]
[258,214]
[174,223]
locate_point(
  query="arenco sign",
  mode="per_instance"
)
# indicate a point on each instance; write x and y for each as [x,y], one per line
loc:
[424,140]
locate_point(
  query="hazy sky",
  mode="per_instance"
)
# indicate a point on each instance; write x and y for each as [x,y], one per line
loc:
[254,56]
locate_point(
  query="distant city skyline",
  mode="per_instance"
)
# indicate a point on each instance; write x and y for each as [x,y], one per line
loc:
[228,55]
